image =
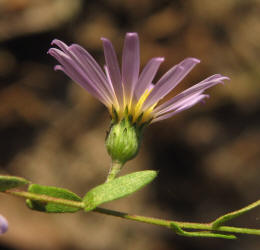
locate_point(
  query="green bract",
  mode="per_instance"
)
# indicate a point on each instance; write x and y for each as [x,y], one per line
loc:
[123,140]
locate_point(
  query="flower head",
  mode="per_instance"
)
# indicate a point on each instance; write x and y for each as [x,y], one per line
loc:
[131,98]
[3,224]
[127,92]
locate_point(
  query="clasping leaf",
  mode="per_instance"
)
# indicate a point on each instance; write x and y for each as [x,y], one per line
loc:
[117,188]
[8,182]
[52,207]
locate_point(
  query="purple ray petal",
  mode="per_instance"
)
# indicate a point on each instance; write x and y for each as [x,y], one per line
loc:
[158,90]
[88,65]
[170,80]
[3,224]
[199,87]
[113,69]
[109,81]
[86,84]
[108,77]
[147,76]
[76,74]
[130,63]
[92,69]
[187,105]
[178,103]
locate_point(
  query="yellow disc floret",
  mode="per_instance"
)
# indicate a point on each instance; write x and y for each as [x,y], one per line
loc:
[134,109]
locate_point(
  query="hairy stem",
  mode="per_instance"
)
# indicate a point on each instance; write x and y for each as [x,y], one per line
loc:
[114,170]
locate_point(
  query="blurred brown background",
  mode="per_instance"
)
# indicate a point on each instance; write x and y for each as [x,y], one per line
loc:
[52,131]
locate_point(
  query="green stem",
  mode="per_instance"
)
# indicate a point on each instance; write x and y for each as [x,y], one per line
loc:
[114,170]
[183,225]
[222,219]
[203,229]
[45,198]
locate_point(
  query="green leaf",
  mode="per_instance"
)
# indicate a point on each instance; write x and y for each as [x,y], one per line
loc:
[207,234]
[117,188]
[230,216]
[52,207]
[8,182]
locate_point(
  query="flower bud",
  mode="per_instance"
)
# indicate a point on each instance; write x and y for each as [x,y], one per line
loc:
[123,140]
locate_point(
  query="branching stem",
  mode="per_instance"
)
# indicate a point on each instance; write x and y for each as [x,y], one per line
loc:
[213,229]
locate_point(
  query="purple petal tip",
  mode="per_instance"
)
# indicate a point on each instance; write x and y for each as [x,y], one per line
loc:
[222,78]
[57,67]
[3,224]
[203,101]
[131,34]
[160,59]
[227,78]
[194,59]
[103,39]
[51,51]
[54,41]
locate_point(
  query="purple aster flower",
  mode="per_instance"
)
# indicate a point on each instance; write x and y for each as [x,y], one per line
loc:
[131,98]
[127,89]
[3,224]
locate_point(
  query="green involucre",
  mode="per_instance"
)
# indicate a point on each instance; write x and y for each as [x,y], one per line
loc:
[123,140]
